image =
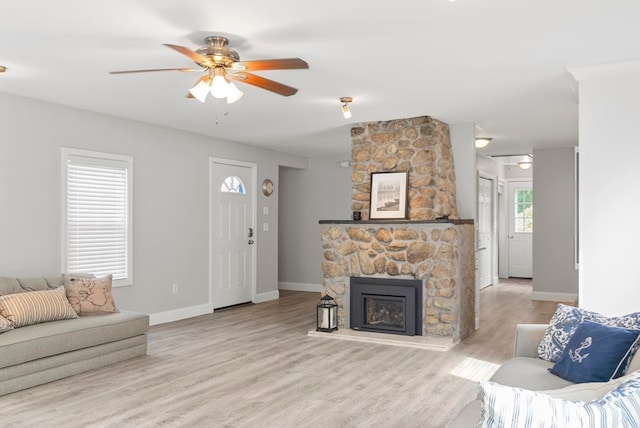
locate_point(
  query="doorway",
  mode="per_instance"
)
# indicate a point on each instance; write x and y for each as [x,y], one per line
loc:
[232,233]
[520,229]
[486,223]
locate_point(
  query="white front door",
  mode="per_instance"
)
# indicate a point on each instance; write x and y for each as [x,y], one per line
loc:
[232,234]
[520,229]
[485,232]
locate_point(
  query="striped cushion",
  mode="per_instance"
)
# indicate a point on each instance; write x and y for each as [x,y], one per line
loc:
[36,306]
[508,407]
[5,324]
[627,397]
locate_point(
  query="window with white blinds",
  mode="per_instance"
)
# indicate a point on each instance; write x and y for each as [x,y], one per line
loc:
[98,214]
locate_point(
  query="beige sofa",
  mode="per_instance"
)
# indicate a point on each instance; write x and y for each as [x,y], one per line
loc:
[529,372]
[35,354]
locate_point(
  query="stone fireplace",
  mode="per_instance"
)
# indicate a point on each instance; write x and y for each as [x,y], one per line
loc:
[438,253]
[431,246]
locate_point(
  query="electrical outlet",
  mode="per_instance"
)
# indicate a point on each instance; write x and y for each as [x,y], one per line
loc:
[175,288]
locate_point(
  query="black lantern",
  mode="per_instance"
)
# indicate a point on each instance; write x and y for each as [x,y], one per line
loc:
[327,314]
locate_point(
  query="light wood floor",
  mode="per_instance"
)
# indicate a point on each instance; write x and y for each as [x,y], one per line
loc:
[255,366]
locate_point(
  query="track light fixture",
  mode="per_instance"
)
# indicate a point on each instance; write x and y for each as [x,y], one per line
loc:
[345,106]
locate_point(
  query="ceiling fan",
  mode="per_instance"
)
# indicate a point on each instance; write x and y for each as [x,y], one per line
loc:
[222,65]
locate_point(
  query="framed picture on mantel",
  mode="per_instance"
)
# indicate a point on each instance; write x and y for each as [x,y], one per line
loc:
[388,198]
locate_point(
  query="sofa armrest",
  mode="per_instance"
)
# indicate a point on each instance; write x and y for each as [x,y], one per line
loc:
[528,337]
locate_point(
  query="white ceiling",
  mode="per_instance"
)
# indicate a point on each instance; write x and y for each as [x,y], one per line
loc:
[500,64]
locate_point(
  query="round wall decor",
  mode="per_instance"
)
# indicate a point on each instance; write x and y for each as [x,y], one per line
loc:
[267,187]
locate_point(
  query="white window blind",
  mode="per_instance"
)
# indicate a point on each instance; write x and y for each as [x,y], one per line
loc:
[98,215]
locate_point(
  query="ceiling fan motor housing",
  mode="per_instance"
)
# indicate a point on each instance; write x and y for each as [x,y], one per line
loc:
[218,51]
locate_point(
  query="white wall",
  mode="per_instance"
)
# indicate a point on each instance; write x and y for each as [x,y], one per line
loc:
[170,200]
[609,195]
[555,276]
[322,192]
[463,139]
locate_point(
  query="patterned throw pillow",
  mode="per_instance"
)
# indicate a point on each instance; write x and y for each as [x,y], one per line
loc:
[508,407]
[5,324]
[566,320]
[90,295]
[34,307]
[596,353]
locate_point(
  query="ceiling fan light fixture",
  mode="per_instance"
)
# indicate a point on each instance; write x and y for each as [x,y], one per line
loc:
[219,85]
[345,106]
[200,90]
[233,93]
[482,142]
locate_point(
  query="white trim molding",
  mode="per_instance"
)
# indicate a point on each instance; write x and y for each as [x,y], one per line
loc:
[300,286]
[265,297]
[555,297]
[179,314]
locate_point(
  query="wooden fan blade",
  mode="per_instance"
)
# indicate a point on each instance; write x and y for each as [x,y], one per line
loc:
[271,64]
[199,59]
[261,82]
[153,69]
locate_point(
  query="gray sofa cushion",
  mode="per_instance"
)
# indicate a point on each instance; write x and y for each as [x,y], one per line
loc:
[51,338]
[528,373]
[468,417]
[48,369]
[19,285]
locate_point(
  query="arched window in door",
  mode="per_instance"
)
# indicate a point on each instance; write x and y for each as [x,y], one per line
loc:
[232,184]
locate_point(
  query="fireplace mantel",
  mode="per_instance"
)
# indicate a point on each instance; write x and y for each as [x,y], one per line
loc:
[398,222]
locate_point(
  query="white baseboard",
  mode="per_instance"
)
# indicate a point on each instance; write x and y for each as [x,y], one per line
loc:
[265,297]
[300,286]
[179,314]
[554,297]
[195,311]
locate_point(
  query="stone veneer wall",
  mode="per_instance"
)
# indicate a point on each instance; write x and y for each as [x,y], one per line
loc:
[440,254]
[421,146]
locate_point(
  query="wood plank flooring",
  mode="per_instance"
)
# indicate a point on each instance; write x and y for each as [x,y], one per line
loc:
[255,366]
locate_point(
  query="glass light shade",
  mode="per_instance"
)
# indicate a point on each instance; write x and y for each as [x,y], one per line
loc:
[233,93]
[200,91]
[345,111]
[482,142]
[219,86]
[525,164]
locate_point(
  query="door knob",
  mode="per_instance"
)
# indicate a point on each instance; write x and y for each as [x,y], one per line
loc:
[251,242]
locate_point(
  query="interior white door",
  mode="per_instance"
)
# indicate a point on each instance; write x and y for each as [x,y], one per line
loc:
[485,232]
[520,229]
[233,234]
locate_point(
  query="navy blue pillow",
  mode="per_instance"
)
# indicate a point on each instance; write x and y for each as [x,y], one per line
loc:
[596,353]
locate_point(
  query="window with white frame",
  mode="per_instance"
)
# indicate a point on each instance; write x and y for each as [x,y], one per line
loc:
[97,214]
